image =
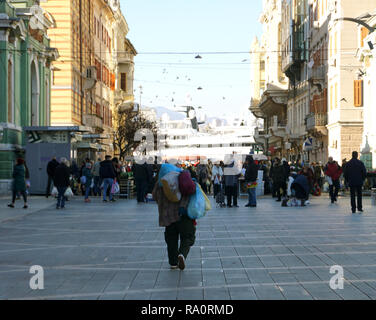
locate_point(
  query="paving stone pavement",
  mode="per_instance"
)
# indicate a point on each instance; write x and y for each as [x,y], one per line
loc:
[117,251]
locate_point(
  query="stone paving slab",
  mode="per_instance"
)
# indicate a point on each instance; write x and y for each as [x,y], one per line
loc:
[116,251]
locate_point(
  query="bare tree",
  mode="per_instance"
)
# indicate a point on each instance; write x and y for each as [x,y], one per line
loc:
[126,124]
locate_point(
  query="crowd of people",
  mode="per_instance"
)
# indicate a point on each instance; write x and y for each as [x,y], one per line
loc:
[282,179]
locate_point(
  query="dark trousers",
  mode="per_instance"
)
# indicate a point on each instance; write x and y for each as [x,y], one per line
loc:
[141,186]
[232,195]
[14,195]
[186,231]
[97,183]
[204,186]
[60,197]
[217,189]
[49,185]
[356,192]
[278,187]
[333,190]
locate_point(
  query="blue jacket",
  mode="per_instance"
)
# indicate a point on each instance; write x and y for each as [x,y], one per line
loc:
[355,173]
[303,182]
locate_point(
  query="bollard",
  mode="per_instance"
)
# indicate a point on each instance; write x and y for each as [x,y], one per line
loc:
[373,196]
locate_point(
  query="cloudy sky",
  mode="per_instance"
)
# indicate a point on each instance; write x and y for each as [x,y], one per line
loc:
[220,31]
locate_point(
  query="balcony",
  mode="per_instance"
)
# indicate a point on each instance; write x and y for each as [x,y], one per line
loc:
[93,121]
[125,57]
[317,122]
[317,75]
[255,108]
[279,127]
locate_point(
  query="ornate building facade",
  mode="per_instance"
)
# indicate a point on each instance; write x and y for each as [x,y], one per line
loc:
[26,59]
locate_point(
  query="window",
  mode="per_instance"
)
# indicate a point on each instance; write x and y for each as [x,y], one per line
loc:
[363,34]
[331,98]
[123,82]
[358,93]
[336,95]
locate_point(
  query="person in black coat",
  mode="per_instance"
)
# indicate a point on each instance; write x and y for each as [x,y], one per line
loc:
[355,174]
[62,182]
[51,166]
[251,174]
[143,177]
[107,174]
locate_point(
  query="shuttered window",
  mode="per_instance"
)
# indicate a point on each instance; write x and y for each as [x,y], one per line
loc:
[123,83]
[363,34]
[358,93]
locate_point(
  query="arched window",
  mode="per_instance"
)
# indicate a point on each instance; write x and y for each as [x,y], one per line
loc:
[10,92]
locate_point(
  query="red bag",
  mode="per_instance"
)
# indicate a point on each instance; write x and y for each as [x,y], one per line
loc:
[186,185]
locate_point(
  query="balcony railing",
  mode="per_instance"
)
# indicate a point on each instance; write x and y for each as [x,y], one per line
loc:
[93,121]
[317,73]
[124,57]
[316,120]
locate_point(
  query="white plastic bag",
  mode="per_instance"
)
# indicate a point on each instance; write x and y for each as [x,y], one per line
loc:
[54,192]
[68,193]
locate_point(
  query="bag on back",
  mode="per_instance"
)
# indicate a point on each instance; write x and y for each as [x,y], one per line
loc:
[186,185]
[165,169]
[170,184]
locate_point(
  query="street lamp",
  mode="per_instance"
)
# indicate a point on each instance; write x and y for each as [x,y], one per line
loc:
[360,21]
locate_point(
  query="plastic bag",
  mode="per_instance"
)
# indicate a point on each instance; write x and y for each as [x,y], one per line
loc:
[208,205]
[170,183]
[197,205]
[68,193]
[28,184]
[83,180]
[54,192]
[115,189]
[165,169]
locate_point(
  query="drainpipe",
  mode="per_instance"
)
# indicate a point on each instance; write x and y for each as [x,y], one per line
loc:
[81,78]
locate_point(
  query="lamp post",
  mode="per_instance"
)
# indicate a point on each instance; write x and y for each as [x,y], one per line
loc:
[140,87]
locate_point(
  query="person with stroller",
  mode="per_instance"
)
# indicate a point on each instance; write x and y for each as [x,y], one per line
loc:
[217,177]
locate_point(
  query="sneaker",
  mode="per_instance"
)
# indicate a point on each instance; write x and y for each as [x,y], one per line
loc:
[247,205]
[104,200]
[25,206]
[57,207]
[174,267]
[113,200]
[181,263]
[11,205]
[253,206]
[360,211]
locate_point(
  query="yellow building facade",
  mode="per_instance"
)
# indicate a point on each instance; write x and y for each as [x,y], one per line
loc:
[92,76]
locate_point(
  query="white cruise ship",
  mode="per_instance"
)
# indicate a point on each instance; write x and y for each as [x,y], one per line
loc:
[191,137]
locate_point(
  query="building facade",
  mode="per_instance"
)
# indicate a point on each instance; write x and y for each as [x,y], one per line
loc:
[269,85]
[367,80]
[88,82]
[324,112]
[25,77]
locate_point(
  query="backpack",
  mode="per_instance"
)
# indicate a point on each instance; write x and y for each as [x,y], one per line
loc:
[186,185]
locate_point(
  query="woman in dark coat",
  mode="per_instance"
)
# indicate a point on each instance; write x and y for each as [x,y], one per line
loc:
[19,182]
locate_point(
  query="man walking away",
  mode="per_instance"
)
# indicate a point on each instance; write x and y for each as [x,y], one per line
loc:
[107,174]
[61,180]
[251,174]
[87,173]
[97,179]
[355,174]
[173,216]
[203,176]
[279,179]
[51,166]
[334,171]
[142,176]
